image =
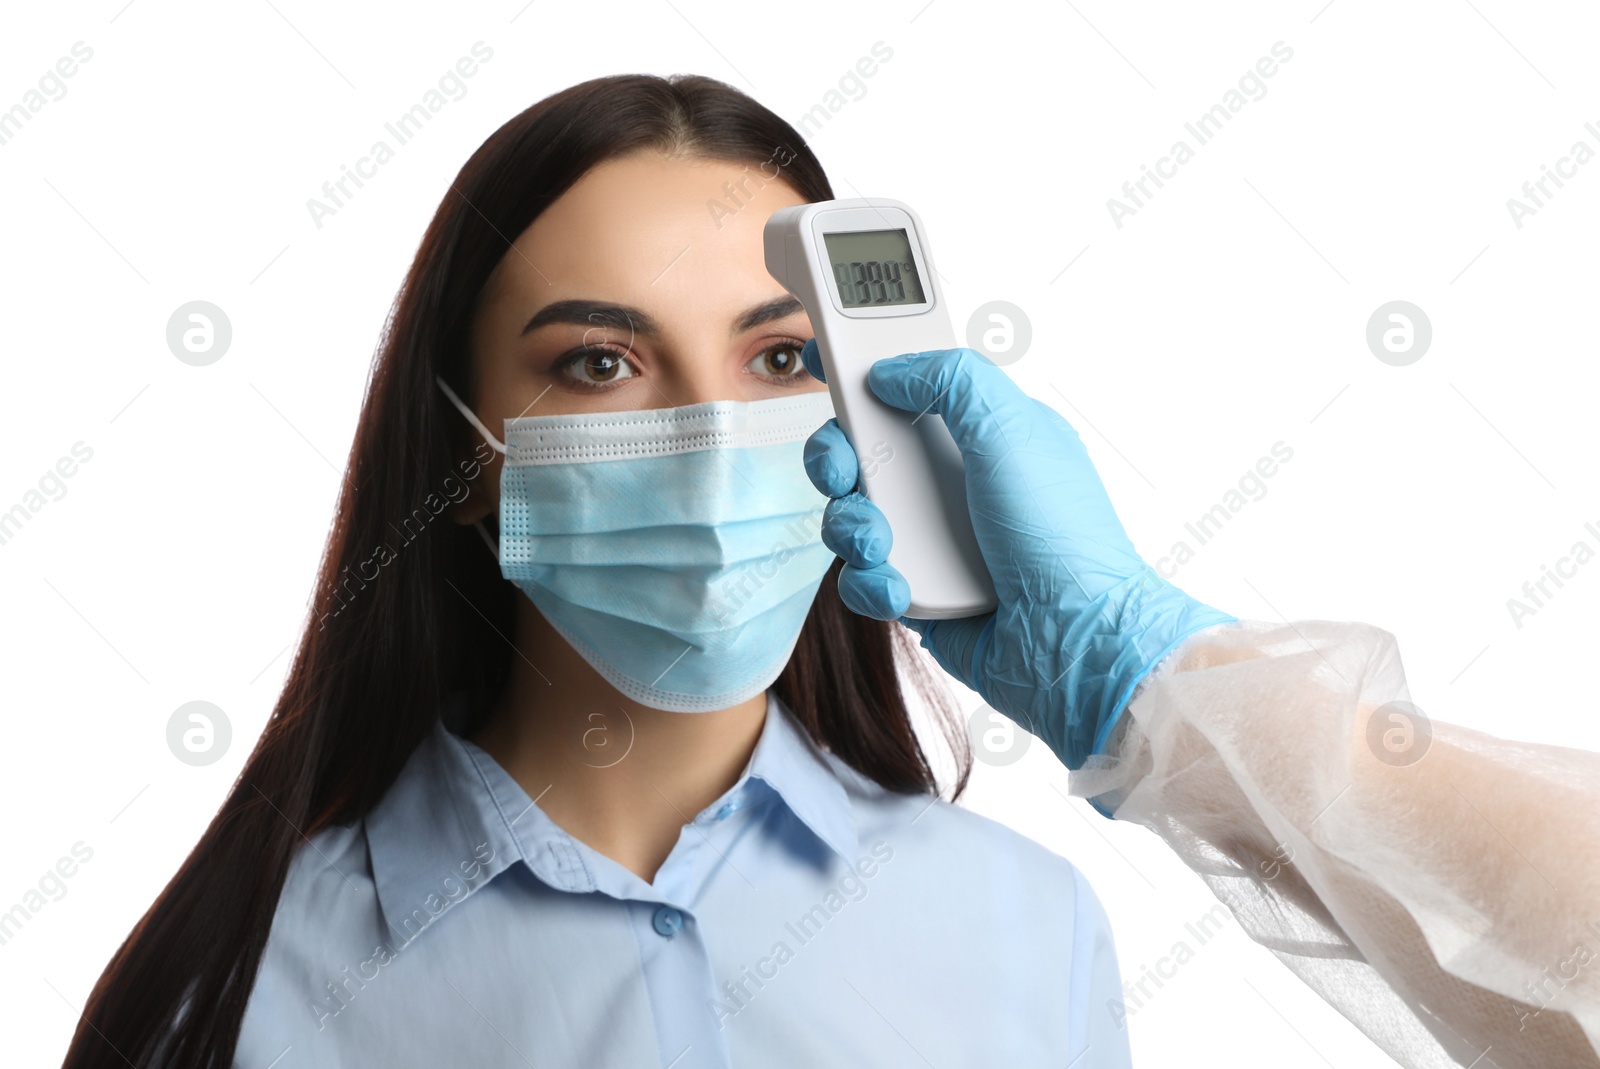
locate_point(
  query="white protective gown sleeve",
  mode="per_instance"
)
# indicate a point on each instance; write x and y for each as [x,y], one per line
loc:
[1439,886]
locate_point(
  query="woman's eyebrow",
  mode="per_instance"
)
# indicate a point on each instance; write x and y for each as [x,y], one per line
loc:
[587,313]
[787,305]
[590,313]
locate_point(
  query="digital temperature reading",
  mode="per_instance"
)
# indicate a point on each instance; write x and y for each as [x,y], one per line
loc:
[874,267]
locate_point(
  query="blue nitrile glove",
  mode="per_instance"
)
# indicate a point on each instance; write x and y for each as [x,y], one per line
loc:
[1081,617]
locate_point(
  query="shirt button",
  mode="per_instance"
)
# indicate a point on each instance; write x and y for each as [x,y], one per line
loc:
[668,921]
[727,809]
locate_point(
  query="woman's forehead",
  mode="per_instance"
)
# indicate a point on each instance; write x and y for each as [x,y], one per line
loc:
[646,230]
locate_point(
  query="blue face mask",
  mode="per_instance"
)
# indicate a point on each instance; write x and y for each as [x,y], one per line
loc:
[677,549]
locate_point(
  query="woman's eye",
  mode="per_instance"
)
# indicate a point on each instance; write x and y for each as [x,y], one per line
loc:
[596,366]
[779,361]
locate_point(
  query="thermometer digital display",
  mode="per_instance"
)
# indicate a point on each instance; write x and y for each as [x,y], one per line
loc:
[864,272]
[873,267]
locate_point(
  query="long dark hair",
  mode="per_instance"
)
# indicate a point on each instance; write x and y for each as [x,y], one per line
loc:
[380,652]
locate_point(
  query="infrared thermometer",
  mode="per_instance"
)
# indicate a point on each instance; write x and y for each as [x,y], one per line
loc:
[864,271]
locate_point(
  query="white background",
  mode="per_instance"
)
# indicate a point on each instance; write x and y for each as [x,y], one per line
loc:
[1228,314]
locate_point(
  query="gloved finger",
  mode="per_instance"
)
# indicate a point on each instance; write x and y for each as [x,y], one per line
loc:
[812,359]
[857,531]
[979,402]
[830,460]
[879,592]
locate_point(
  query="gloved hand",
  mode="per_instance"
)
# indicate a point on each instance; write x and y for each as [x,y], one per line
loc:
[1081,617]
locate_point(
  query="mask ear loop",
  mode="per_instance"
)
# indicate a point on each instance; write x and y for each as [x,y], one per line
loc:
[496,443]
[499,446]
[490,542]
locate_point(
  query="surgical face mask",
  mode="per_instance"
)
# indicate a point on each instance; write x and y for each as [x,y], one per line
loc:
[677,549]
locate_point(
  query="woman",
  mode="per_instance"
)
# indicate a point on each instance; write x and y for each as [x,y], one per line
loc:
[510,823]
[716,871]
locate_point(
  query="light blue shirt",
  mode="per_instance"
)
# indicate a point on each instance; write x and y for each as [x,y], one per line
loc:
[807,917]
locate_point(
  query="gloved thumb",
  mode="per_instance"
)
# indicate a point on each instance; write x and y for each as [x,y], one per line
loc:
[977,399]
[957,645]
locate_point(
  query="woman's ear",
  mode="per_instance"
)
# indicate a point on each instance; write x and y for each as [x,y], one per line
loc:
[474,508]
[479,473]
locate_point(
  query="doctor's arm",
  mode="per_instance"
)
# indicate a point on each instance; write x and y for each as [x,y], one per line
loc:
[1439,886]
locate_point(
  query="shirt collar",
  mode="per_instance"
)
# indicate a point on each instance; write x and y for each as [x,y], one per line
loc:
[435,836]
[454,819]
[802,774]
